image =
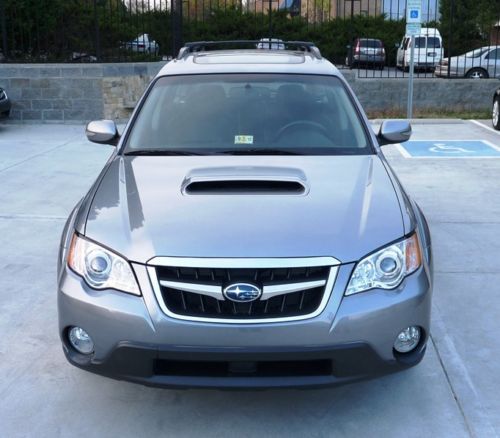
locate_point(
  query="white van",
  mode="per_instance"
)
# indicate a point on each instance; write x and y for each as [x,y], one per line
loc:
[428,50]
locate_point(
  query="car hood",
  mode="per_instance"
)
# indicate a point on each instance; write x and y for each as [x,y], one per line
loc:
[143,207]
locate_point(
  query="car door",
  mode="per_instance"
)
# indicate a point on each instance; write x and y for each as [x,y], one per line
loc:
[434,50]
[493,63]
[420,50]
[401,51]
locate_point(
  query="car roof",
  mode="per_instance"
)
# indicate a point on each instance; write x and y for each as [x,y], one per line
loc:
[249,61]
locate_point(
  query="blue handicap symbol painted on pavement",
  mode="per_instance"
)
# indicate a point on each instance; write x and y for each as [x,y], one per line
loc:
[450,149]
[414,13]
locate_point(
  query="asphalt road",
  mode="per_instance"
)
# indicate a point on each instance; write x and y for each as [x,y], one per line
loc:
[455,391]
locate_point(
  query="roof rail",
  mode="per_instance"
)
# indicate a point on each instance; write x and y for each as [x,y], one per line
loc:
[201,46]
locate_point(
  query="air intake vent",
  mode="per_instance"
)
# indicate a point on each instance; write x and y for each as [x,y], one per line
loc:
[245,187]
[245,180]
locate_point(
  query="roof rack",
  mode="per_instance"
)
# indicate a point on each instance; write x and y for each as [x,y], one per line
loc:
[201,46]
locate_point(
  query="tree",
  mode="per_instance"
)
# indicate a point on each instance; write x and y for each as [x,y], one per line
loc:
[469,22]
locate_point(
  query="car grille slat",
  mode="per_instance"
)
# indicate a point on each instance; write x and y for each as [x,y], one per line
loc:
[284,298]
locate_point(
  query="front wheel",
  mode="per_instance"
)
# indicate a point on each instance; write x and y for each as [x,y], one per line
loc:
[477,73]
[496,113]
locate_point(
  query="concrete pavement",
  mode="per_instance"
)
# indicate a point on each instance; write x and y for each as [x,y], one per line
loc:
[44,170]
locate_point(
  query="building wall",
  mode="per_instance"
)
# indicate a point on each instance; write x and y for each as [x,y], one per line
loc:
[319,10]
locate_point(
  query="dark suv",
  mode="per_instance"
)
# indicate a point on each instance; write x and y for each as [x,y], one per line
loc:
[366,52]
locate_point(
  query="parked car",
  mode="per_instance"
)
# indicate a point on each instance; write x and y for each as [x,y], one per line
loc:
[82,57]
[428,51]
[5,104]
[270,43]
[496,110]
[368,52]
[482,63]
[143,44]
[247,231]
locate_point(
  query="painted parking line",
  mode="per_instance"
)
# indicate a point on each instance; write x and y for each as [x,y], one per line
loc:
[482,125]
[449,149]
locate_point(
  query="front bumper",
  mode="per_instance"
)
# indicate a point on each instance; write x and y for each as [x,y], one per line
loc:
[441,71]
[351,339]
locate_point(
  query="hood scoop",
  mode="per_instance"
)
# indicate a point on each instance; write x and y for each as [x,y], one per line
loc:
[245,181]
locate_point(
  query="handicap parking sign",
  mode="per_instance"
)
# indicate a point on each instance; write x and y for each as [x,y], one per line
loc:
[413,13]
[449,149]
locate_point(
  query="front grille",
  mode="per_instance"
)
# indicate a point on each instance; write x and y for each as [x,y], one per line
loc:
[294,301]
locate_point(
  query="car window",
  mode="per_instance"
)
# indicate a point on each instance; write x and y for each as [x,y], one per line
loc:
[372,44]
[307,114]
[420,42]
[433,43]
[477,53]
[406,41]
[494,55]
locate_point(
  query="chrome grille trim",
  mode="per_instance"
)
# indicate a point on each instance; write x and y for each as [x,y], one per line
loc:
[267,291]
[202,289]
[288,288]
[205,262]
[244,263]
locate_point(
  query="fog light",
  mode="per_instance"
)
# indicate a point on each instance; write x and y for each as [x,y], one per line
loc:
[407,340]
[80,340]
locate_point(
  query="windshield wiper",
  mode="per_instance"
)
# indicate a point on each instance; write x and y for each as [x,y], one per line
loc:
[260,151]
[159,152]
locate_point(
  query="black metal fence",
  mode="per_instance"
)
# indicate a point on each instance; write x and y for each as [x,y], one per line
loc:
[346,31]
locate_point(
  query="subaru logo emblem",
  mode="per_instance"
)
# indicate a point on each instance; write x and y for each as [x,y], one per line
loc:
[242,292]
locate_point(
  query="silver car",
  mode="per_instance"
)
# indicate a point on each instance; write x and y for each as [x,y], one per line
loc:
[247,231]
[482,63]
[143,44]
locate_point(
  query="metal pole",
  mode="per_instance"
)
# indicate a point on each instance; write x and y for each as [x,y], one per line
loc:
[409,110]
[4,28]
[176,26]
[97,37]
[270,22]
[450,35]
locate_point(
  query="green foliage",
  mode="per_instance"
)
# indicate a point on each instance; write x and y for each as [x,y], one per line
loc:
[469,22]
[50,30]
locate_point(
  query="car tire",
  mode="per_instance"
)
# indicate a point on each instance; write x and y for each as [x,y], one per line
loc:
[496,113]
[477,73]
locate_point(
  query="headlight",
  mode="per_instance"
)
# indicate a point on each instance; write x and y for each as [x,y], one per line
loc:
[101,268]
[386,268]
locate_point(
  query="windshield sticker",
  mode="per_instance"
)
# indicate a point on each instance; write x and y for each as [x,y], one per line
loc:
[243,139]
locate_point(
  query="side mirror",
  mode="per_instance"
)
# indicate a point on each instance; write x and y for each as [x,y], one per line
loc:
[397,45]
[394,131]
[102,132]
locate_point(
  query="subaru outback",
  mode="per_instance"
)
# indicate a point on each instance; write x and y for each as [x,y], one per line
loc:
[247,231]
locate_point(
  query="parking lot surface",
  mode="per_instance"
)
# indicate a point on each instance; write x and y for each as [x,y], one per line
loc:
[455,391]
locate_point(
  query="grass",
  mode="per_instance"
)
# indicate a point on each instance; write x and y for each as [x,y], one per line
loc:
[430,114]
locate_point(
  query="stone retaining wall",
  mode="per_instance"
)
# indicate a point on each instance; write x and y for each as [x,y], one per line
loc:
[74,93]
[51,93]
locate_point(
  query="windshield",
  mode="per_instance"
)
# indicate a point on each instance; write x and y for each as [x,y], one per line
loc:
[248,113]
[476,53]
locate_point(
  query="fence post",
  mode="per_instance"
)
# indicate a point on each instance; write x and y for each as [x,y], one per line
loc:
[450,35]
[176,7]
[3,23]
[97,38]
[270,22]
